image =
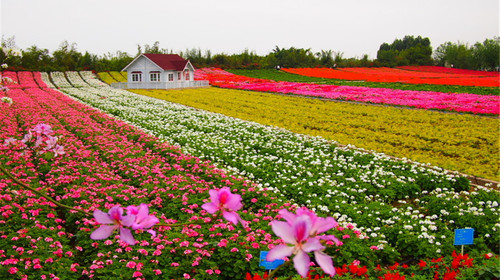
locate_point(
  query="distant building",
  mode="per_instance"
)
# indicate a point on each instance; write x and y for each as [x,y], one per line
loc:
[159,71]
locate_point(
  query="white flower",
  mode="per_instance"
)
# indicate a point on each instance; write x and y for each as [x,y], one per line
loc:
[7,100]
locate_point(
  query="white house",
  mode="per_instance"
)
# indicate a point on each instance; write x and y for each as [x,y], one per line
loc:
[159,71]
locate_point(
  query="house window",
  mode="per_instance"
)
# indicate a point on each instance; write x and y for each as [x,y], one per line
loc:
[154,76]
[187,75]
[179,76]
[170,77]
[136,76]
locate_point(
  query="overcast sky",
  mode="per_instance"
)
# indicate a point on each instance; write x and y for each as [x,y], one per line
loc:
[353,27]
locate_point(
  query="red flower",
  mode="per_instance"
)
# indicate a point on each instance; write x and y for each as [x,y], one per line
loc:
[395,276]
[422,264]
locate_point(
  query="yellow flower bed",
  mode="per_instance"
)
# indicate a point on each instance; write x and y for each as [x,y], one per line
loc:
[112,77]
[466,143]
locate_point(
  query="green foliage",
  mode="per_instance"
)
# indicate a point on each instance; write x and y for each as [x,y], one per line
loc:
[408,51]
[481,56]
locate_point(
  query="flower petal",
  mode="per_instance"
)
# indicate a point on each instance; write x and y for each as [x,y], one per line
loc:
[102,217]
[233,217]
[234,202]
[142,211]
[301,263]
[312,244]
[116,213]
[214,196]
[287,215]
[284,231]
[329,237]
[126,236]
[324,224]
[128,220]
[148,222]
[103,232]
[279,252]
[302,228]
[325,262]
[210,207]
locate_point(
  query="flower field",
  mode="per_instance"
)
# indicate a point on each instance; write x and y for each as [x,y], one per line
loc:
[412,75]
[387,210]
[275,75]
[458,102]
[465,143]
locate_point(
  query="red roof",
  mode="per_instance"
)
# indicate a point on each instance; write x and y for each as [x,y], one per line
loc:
[168,61]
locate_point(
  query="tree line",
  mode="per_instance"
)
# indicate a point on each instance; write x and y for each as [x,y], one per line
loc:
[407,51]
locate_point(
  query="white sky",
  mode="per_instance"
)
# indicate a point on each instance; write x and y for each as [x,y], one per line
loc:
[354,27]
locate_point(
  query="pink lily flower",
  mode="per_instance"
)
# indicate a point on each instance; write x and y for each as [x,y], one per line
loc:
[301,231]
[224,201]
[142,218]
[319,224]
[58,150]
[42,129]
[51,142]
[112,221]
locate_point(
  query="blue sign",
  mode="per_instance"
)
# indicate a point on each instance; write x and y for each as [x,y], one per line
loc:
[269,265]
[464,236]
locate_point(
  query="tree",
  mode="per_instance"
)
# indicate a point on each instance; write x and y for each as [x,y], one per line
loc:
[458,55]
[408,51]
[293,57]
[486,54]
[36,59]
[66,57]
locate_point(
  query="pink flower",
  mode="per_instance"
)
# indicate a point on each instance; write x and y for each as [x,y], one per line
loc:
[9,141]
[43,129]
[13,270]
[301,231]
[142,218]
[319,224]
[224,201]
[137,274]
[58,150]
[112,221]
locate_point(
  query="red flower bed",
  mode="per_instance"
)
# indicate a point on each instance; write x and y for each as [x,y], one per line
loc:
[435,76]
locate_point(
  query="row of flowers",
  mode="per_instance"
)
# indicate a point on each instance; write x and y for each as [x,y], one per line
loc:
[113,77]
[402,208]
[465,143]
[439,69]
[459,102]
[394,75]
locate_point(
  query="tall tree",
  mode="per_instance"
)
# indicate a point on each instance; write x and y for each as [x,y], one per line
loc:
[407,51]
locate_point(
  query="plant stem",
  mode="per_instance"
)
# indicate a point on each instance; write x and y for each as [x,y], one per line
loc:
[270,276]
[17,181]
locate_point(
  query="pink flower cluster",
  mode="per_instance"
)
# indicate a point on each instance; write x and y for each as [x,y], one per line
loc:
[459,102]
[41,133]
